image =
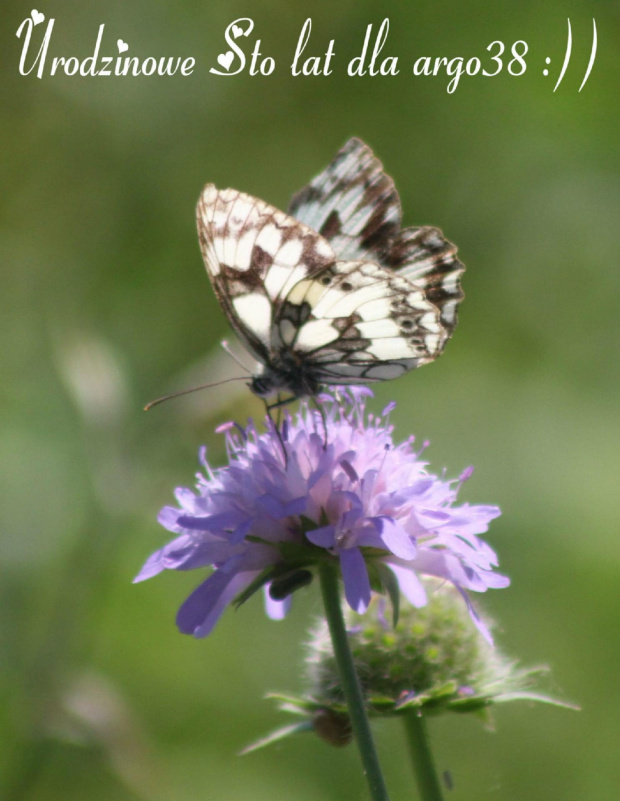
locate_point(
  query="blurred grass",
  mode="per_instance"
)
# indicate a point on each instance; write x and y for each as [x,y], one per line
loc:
[106,305]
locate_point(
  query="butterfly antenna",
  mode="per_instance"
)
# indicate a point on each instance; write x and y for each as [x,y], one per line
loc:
[234,357]
[193,389]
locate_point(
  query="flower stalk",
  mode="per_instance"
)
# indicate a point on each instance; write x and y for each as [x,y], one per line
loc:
[350,682]
[421,756]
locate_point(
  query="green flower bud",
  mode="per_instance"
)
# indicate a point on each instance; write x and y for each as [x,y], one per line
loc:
[434,658]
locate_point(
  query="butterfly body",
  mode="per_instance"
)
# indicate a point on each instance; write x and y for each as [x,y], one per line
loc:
[285,373]
[334,292]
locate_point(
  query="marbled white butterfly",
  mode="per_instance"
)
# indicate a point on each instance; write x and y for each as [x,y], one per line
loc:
[334,291]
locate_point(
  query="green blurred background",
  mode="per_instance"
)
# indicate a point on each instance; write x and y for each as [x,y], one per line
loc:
[105,305]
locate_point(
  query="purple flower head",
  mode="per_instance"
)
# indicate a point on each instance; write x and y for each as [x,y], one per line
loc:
[324,487]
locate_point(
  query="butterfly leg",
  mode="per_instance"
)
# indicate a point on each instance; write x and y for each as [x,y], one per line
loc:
[279,403]
[321,412]
[276,425]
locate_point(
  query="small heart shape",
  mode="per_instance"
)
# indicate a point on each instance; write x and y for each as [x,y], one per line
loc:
[237,31]
[37,17]
[225,59]
[122,46]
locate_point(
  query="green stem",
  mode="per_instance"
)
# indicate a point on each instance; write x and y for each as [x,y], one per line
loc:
[350,682]
[421,756]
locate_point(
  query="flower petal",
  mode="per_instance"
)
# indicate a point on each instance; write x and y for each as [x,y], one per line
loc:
[201,611]
[153,565]
[276,610]
[482,627]
[214,523]
[410,585]
[395,538]
[355,578]
[324,537]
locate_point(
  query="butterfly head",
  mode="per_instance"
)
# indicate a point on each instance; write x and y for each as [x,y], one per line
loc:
[285,376]
[262,385]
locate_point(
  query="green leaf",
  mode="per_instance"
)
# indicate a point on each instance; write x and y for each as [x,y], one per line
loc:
[277,735]
[533,696]
[263,578]
[301,554]
[299,705]
[282,570]
[283,586]
[307,524]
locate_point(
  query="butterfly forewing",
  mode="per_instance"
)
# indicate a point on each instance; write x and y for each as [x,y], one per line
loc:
[356,207]
[254,254]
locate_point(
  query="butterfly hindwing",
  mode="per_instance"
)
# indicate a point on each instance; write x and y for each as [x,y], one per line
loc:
[358,321]
[427,259]
[352,203]
[356,207]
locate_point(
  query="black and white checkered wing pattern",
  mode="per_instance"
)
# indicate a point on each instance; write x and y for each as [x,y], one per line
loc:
[356,322]
[352,203]
[355,206]
[427,259]
[254,254]
[334,291]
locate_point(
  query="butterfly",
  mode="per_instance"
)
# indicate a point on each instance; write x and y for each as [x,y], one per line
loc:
[334,291]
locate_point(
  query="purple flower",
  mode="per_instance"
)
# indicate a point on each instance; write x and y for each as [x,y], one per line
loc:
[322,488]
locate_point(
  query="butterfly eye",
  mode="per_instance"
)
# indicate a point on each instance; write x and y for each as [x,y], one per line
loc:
[346,286]
[261,386]
[326,280]
[406,324]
